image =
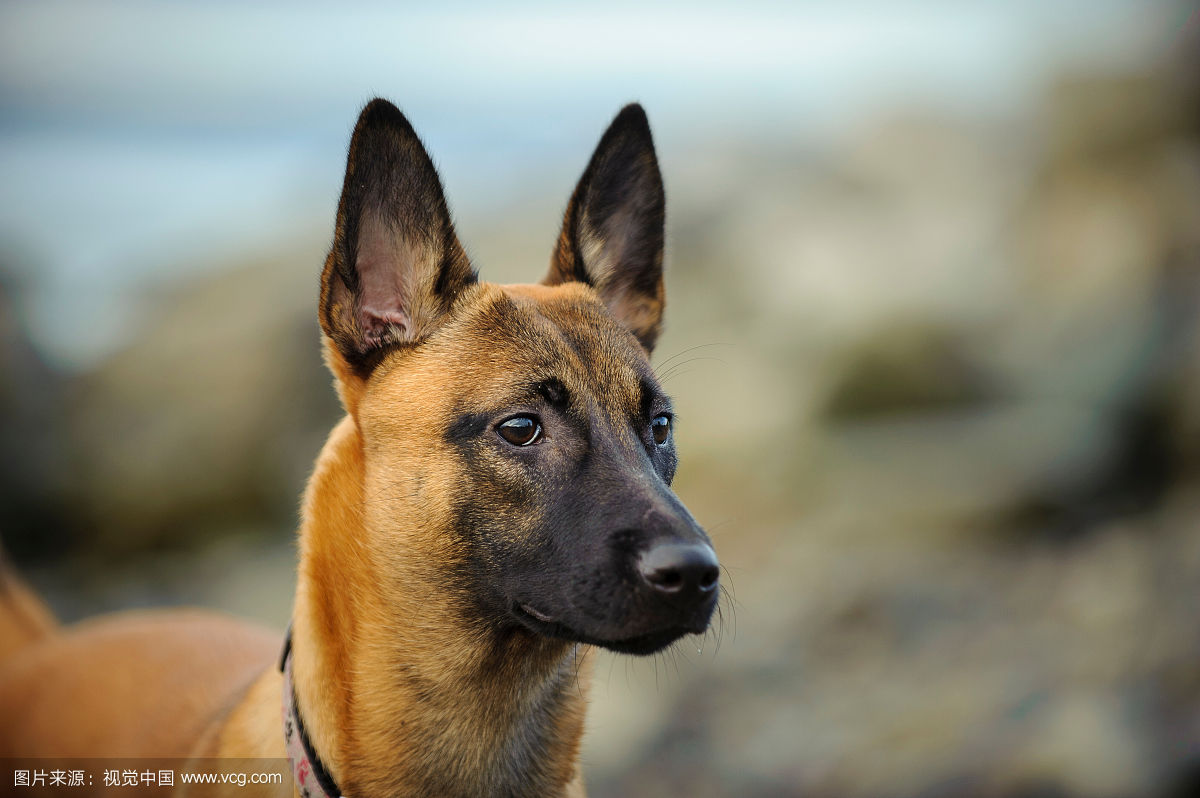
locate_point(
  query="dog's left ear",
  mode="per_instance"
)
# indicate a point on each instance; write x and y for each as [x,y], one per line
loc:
[396,265]
[612,236]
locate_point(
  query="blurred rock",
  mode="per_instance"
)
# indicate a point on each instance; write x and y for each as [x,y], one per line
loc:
[211,418]
[34,456]
[905,368]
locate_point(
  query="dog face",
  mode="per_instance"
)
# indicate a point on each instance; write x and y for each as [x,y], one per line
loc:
[516,439]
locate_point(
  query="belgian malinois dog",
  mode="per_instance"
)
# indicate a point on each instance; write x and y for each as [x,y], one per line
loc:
[494,503]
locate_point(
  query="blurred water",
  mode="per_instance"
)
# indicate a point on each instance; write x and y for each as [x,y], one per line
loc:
[132,129]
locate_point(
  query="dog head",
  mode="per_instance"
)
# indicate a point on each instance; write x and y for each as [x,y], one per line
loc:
[518,447]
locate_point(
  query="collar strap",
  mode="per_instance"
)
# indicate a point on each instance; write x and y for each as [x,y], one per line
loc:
[312,779]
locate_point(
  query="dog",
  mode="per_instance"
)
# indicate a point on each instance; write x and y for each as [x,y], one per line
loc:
[494,504]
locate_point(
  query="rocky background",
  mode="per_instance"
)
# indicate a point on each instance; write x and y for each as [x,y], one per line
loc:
[939,391]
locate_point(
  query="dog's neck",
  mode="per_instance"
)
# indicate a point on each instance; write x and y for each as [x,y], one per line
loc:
[401,696]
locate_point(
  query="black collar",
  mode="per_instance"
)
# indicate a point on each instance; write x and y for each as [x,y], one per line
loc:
[306,765]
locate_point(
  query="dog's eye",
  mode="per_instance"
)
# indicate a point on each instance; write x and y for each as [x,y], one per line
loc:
[521,430]
[660,428]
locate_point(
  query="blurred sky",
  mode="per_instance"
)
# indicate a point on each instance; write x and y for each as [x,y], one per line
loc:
[142,141]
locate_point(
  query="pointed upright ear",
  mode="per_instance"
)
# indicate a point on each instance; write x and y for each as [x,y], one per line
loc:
[396,265]
[612,236]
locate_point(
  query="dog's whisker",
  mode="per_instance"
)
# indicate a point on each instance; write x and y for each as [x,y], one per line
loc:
[685,351]
[675,374]
[668,373]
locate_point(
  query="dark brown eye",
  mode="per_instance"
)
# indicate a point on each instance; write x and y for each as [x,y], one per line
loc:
[521,430]
[660,428]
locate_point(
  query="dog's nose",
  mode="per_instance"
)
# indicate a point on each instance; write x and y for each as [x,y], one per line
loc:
[686,570]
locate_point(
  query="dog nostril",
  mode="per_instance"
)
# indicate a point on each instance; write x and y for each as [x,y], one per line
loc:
[669,580]
[689,568]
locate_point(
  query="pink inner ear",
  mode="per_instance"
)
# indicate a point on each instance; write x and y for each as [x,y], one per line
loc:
[384,265]
[382,327]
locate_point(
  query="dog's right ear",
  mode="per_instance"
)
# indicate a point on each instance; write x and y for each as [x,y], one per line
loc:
[613,230]
[396,265]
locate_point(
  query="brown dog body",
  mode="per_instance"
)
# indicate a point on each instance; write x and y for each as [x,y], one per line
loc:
[494,503]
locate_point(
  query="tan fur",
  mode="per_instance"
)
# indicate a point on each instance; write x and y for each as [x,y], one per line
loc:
[136,684]
[24,619]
